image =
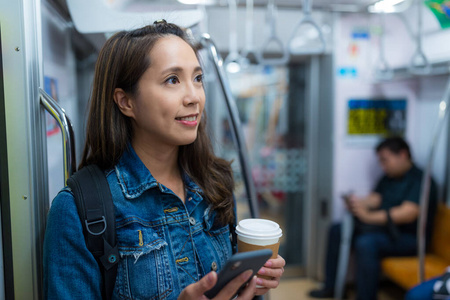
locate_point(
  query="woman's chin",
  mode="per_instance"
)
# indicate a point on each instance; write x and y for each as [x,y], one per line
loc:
[187,141]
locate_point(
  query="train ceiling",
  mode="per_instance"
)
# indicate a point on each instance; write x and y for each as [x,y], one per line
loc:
[327,5]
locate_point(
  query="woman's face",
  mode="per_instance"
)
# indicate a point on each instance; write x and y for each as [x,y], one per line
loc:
[170,99]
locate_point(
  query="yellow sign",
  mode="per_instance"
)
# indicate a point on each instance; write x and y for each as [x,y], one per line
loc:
[376,117]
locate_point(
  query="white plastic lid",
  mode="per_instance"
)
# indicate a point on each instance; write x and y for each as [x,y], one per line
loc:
[259,229]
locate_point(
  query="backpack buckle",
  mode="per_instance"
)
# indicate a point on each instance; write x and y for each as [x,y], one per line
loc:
[103,220]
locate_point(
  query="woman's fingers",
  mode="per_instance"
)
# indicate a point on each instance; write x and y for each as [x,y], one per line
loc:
[233,286]
[268,283]
[269,272]
[249,292]
[278,262]
[261,291]
[272,271]
[196,290]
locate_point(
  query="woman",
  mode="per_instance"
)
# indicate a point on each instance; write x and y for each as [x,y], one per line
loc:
[172,196]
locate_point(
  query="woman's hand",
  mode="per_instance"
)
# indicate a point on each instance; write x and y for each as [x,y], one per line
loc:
[273,268]
[196,290]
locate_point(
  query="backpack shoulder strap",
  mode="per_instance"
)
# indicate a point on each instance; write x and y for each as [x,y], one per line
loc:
[96,210]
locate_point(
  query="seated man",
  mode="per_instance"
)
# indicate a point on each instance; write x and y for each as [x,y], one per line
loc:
[385,221]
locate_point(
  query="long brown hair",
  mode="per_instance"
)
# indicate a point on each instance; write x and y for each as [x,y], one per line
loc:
[121,63]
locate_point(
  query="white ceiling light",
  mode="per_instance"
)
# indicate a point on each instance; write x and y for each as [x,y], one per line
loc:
[194,2]
[385,6]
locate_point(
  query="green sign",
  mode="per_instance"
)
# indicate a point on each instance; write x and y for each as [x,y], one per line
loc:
[441,9]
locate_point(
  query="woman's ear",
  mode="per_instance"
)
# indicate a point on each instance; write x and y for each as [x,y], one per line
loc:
[124,102]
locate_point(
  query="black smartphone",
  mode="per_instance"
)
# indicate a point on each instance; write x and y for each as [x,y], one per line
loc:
[237,264]
[346,197]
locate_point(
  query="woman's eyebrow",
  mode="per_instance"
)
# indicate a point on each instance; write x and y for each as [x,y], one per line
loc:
[198,69]
[180,69]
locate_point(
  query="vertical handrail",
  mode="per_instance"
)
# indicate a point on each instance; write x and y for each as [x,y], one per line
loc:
[208,44]
[347,229]
[68,140]
[426,182]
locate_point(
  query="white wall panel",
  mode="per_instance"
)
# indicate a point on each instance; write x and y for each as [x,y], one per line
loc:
[356,166]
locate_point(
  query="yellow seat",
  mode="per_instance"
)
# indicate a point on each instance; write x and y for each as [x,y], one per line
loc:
[404,270]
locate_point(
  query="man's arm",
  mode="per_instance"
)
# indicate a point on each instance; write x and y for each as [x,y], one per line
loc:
[406,212]
[371,201]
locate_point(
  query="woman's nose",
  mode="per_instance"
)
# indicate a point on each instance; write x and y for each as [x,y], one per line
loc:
[193,94]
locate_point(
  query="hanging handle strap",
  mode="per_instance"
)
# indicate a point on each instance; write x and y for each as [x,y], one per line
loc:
[419,63]
[307,19]
[273,39]
[233,56]
[248,51]
[383,70]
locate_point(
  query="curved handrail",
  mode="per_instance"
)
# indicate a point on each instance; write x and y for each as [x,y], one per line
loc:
[208,44]
[383,70]
[307,19]
[419,63]
[426,182]
[63,121]
[273,38]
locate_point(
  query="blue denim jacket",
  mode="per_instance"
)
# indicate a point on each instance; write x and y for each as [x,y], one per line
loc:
[165,244]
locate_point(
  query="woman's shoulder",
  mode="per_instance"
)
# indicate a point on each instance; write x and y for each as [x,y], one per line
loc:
[63,198]
[63,208]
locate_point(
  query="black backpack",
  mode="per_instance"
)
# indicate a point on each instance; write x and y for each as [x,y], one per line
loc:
[96,210]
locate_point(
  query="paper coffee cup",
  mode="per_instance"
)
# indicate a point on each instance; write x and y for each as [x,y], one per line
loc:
[256,234]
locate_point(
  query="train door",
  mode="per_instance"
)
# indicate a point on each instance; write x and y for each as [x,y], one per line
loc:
[285,118]
[287,123]
[286,111]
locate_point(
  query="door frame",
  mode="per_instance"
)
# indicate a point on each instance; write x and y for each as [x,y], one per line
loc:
[25,165]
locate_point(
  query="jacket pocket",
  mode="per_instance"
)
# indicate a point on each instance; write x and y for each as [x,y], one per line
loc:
[144,271]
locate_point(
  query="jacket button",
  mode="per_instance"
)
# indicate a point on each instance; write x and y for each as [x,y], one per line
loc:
[214,266]
[192,220]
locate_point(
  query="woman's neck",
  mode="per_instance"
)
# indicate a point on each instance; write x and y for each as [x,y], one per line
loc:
[161,161]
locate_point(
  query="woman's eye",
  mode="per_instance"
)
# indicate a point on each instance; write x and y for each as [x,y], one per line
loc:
[172,80]
[199,78]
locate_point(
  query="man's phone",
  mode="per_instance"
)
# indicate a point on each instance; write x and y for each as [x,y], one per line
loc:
[346,198]
[237,264]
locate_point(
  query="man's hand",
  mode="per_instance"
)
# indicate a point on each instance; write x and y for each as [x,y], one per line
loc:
[196,290]
[357,207]
[363,212]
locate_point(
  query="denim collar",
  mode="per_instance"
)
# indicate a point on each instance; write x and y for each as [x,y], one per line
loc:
[134,177]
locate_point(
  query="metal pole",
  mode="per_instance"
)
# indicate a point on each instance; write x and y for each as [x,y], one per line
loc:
[207,43]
